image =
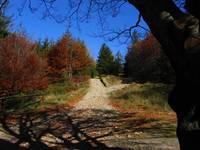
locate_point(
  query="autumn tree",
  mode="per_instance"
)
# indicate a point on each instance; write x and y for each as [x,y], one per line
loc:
[58,58]
[79,61]
[68,57]
[145,61]
[21,69]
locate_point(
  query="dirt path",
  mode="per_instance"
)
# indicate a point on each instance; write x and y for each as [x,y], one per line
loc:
[97,119]
[97,96]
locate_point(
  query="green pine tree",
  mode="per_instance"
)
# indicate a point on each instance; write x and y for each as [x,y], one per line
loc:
[4,25]
[105,62]
[44,47]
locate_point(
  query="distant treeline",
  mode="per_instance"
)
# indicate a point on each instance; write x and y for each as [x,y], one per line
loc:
[144,61]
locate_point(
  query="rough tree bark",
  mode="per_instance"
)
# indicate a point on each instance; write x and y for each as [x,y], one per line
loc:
[179,37]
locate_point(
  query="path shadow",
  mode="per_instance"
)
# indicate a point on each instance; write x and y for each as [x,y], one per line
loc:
[61,128]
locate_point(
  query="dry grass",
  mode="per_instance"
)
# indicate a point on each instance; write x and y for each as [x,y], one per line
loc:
[55,96]
[68,99]
[149,100]
[64,95]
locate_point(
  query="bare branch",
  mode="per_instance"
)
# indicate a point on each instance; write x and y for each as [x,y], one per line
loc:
[77,9]
[125,33]
[100,9]
[21,9]
[49,13]
[3,5]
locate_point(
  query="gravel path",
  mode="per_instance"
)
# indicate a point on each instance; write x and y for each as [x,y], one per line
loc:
[122,130]
[97,96]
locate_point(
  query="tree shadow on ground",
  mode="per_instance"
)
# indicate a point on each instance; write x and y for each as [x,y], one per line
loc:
[61,128]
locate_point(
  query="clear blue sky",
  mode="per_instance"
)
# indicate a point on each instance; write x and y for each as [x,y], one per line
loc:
[38,28]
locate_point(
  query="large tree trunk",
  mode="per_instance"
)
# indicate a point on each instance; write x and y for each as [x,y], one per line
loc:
[183,51]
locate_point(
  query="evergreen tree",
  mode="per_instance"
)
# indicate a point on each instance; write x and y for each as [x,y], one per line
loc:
[118,63]
[44,47]
[4,24]
[105,62]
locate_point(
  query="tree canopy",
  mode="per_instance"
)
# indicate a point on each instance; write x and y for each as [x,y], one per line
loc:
[68,57]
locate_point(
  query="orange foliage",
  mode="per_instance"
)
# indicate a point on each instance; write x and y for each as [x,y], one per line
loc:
[21,69]
[58,58]
[68,56]
[80,58]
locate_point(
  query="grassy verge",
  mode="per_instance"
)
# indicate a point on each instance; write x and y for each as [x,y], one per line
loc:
[149,99]
[147,102]
[62,94]
[152,96]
